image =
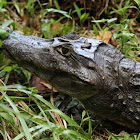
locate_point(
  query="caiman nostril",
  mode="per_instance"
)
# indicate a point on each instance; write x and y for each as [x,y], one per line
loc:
[86,46]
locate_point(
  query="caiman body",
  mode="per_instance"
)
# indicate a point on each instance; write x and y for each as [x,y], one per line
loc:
[98,75]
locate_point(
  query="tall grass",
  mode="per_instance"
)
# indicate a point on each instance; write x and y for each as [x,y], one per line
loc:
[35,118]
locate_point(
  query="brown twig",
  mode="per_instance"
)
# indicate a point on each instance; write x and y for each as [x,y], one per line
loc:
[5,89]
[56,114]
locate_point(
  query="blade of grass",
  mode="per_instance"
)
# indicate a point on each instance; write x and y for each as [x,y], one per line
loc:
[30,130]
[4,129]
[56,110]
[113,136]
[22,121]
[77,134]
[42,111]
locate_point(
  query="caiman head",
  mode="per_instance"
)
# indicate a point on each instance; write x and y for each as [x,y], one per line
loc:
[65,62]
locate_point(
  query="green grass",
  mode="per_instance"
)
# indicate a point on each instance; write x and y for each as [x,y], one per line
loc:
[25,121]
[32,117]
[123,32]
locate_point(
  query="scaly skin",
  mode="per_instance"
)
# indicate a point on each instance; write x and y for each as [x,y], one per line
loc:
[98,75]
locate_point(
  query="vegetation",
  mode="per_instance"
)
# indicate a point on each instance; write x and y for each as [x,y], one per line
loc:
[28,115]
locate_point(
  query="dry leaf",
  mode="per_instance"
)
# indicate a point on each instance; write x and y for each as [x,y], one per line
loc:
[132,21]
[49,86]
[106,37]
[55,27]
[41,86]
[138,59]
[114,43]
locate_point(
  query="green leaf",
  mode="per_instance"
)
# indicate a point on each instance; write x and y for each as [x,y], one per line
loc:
[2,2]
[112,135]
[72,132]
[95,30]
[77,10]
[7,69]
[2,33]
[105,20]
[83,17]
[2,133]
[106,28]
[138,2]
[2,10]
[111,20]
[59,11]
[56,4]
[7,116]
[83,114]
[2,73]
[128,34]
[98,25]
[27,74]
[46,20]
[87,118]
[102,20]
[90,128]
[7,23]
[30,129]
[35,91]
[0,43]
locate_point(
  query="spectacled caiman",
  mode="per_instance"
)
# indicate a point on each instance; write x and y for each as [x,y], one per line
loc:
[97,74]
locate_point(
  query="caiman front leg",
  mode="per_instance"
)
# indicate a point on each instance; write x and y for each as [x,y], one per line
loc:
[98,75]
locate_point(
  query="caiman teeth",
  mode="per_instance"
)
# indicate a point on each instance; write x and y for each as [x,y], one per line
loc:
[86,80]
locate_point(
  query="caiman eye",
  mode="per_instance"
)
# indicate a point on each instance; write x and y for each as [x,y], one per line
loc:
[64,51]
